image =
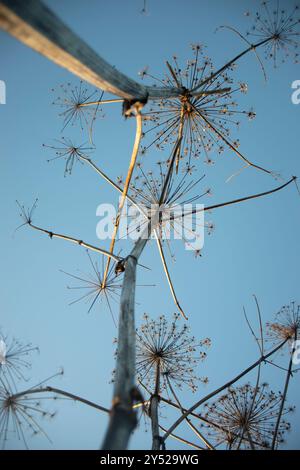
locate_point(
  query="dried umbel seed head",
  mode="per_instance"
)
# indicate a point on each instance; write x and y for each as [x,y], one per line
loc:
[20,412]
[203,115]
[278,30]
[245,417]
[166,198]
[79,104]
[286,324]
[70,152]
[14,359]
[167,349]
[94,288]
[26,213]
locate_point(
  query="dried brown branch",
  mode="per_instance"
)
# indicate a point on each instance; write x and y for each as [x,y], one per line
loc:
[58,391]
[187,419]
[235,201]
[77,241]
[131,167]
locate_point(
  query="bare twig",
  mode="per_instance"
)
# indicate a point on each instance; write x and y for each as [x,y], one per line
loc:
[77,241]
[181,439]
[125,189]
[194,429]
[234,201]
[284,394]
[63,393]
[252,47]
[164,263]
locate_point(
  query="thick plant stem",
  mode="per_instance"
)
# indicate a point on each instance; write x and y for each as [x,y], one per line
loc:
[38,27]
[123,417]
[154,404]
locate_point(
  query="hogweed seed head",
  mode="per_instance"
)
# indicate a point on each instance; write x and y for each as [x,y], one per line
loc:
[203,120]
[93,288]
[168,348]
[70,152]
[246,415]
[286,324]
[73,100]
[280,29]
[14,359]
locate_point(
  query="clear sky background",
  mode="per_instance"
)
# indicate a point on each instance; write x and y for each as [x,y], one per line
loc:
[253,250]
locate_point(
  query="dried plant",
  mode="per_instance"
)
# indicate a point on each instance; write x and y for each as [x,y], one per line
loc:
[168,351]
[286,324]
[93,288]
[245,417]
[20,413]
[165,209]
[70,153]
[204,120]
[192,114]
[278,29]
[75,103]
[14,359]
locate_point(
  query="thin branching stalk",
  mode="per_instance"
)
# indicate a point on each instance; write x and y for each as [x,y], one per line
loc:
[181,439]
[166,270]
[93,103]
[132,163]
[285,391]
[140,208]
[77,241]
[58,391]
[111,182]
[252,47]
[187,419]
[261,349]
[234,201]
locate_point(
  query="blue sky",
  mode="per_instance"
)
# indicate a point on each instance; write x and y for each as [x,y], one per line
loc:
[253,250]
